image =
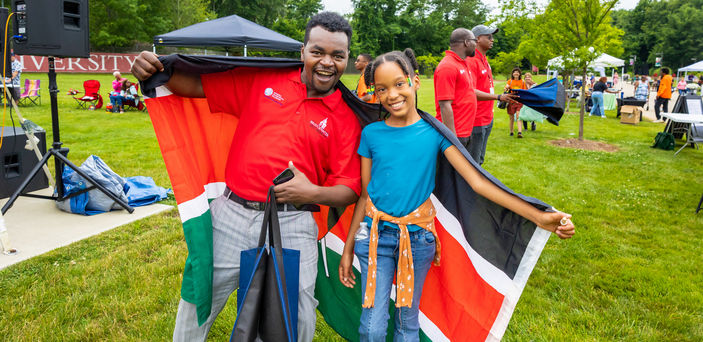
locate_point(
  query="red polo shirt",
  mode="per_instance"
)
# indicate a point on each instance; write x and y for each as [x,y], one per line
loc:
[278,123]
[483,75]
[453,81]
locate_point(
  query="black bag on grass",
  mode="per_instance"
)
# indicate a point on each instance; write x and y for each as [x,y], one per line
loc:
[664,140]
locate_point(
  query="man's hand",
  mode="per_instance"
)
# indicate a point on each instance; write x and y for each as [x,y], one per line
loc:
[509,97]
[145,65]
[299,190]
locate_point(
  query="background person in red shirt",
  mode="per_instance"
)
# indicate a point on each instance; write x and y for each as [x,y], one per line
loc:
[284,115]
[481,70]
[455,100]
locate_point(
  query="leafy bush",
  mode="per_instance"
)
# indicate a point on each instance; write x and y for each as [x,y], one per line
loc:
[428,63]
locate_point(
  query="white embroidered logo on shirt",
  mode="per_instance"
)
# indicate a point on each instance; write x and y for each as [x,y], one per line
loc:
[461,71]
[270,94]
[320,127]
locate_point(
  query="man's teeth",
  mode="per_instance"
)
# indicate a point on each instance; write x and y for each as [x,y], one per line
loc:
[324,73]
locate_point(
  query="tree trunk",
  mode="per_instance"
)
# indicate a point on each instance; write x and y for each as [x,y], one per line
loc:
[583,103]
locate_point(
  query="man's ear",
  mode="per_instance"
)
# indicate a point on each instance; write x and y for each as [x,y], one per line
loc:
[302,52]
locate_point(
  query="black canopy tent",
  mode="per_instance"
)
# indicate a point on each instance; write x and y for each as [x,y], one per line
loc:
[228,31]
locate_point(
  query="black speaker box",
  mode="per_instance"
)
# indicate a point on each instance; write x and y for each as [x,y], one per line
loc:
[56,28]
[16,162]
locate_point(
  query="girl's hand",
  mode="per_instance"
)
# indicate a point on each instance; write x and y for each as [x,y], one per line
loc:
[346,275]
[559,223]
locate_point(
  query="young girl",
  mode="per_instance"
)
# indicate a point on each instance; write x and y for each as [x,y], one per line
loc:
[397,235]
[515,82]
[522,114]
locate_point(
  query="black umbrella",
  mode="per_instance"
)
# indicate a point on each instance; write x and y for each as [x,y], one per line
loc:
[548,98]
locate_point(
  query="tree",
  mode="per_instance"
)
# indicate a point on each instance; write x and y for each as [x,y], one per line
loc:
[297,14]
[579,31]
[262,12]
[667,27]
[117,24]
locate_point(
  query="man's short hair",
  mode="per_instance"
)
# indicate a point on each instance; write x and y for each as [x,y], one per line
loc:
[366,56]
[331,22]
[665,71]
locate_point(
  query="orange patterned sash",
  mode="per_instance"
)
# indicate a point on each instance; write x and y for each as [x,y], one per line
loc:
[423,216]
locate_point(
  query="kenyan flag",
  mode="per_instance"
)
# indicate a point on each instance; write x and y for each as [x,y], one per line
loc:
[488,252]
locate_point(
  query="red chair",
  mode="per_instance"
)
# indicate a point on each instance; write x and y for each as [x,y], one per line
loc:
[92,96]
[30,93]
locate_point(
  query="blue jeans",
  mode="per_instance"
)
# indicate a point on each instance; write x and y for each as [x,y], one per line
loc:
[597,109]
[478,142]
[374,321]
[116,100]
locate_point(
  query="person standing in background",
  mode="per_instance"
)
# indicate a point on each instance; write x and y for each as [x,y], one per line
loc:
[483,74]
[663,94]
[515,82]
[681,86]
[362,91]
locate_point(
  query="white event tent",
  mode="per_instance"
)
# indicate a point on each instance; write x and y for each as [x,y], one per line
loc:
[603,61]
[698,66]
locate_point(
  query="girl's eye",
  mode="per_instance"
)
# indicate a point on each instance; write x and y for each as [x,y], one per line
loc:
[400,84]
[381,90]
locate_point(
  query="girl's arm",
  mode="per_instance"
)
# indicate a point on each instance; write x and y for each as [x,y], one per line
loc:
[346,275]
[547,220]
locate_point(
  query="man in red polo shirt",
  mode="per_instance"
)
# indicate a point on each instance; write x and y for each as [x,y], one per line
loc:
[455,93]
[481,70]
[291,118]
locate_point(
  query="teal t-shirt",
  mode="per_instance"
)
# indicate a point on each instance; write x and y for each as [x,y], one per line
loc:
[404,165]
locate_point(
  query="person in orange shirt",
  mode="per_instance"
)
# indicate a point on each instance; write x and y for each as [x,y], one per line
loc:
[515,82]
[361,90]
[663,94]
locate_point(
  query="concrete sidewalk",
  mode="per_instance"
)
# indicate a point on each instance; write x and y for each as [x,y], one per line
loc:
[36,226]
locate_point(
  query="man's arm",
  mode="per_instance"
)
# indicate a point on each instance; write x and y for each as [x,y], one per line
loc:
[445,107]
[181,84]
[483,96]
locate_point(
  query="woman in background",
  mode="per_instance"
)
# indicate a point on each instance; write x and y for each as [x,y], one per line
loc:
[515,82]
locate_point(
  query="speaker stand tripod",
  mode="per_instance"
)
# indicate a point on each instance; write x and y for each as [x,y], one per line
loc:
[59,153]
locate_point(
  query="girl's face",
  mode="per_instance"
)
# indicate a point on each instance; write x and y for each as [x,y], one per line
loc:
[393,90]
[528,78]
[516,74]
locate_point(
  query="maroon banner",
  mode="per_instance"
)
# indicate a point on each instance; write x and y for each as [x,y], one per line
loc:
[97,63]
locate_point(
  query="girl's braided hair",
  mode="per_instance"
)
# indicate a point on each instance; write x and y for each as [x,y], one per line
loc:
[405,59]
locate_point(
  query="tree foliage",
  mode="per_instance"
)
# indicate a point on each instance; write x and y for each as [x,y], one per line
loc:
[671,28]
[117,24]
[579,31]
[385,25]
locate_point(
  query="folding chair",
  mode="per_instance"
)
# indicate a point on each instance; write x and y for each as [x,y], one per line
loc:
[136,102]
[91,95]
[30,93]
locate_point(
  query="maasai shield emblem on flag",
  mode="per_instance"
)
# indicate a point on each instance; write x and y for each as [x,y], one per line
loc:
[488,252]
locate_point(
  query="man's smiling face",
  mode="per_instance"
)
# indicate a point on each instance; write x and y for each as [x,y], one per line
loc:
[324,58]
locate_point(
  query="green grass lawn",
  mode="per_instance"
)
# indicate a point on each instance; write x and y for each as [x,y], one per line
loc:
[632,272]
